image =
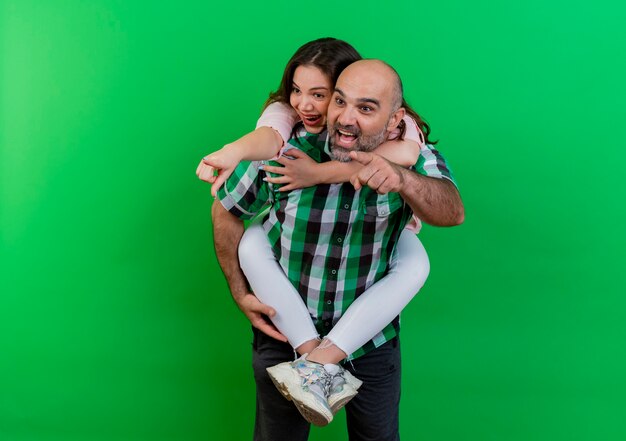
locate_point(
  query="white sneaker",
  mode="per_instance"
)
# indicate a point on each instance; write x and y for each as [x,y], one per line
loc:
[343,387]
[308,385]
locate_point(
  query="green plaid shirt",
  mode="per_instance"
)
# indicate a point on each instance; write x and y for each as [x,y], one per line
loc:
[332,242]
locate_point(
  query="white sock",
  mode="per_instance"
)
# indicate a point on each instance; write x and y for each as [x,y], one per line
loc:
[332,369]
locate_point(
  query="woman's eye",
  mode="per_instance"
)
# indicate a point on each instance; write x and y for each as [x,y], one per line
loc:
[338,101]
[319,96]
[295,90]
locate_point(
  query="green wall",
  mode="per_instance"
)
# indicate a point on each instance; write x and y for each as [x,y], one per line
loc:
[115,321]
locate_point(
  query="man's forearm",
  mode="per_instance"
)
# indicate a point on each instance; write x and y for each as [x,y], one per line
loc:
[436,201]
[227,232]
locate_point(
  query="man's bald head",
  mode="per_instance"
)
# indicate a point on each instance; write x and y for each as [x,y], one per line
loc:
[378,71]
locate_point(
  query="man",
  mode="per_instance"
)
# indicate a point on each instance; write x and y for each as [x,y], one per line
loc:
[365,108]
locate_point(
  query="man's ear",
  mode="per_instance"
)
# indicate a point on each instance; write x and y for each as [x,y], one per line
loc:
[395,119]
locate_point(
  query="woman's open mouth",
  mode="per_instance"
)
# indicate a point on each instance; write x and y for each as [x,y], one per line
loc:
[311,120]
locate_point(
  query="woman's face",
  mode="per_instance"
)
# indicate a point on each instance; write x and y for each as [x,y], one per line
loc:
[310,96]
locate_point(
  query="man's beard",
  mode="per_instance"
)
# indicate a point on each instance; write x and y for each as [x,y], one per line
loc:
[364,143]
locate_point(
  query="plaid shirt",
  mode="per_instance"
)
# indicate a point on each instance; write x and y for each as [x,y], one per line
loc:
[332,242]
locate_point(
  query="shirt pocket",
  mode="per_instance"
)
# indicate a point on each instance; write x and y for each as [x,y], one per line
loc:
[382,205]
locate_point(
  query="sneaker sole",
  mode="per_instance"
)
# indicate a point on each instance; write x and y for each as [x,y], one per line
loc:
[280,375]
[341,402]
[353,383]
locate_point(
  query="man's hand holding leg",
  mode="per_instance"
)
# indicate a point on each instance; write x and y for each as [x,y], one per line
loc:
[257,313]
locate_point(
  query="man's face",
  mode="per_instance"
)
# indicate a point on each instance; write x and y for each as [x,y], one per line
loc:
[360,110]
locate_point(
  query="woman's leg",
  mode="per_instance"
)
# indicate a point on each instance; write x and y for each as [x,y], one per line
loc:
[270,284]
[379,304]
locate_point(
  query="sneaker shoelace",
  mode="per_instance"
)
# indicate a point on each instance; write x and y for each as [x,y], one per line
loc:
[316,376]
[341,380]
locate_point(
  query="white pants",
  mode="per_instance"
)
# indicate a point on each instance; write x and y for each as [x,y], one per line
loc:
[367,315]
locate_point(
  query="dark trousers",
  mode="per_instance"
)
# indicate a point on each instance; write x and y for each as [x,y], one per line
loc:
[371,416]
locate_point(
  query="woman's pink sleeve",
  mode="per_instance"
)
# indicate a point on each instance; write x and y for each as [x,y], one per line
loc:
[280,117]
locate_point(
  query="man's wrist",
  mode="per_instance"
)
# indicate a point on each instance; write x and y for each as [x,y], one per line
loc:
[239,293]
[405,176]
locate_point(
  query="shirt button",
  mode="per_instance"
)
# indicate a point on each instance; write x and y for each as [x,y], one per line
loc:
[339,239]
[329,302]
[326,324]
[333,272]
[346,206]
